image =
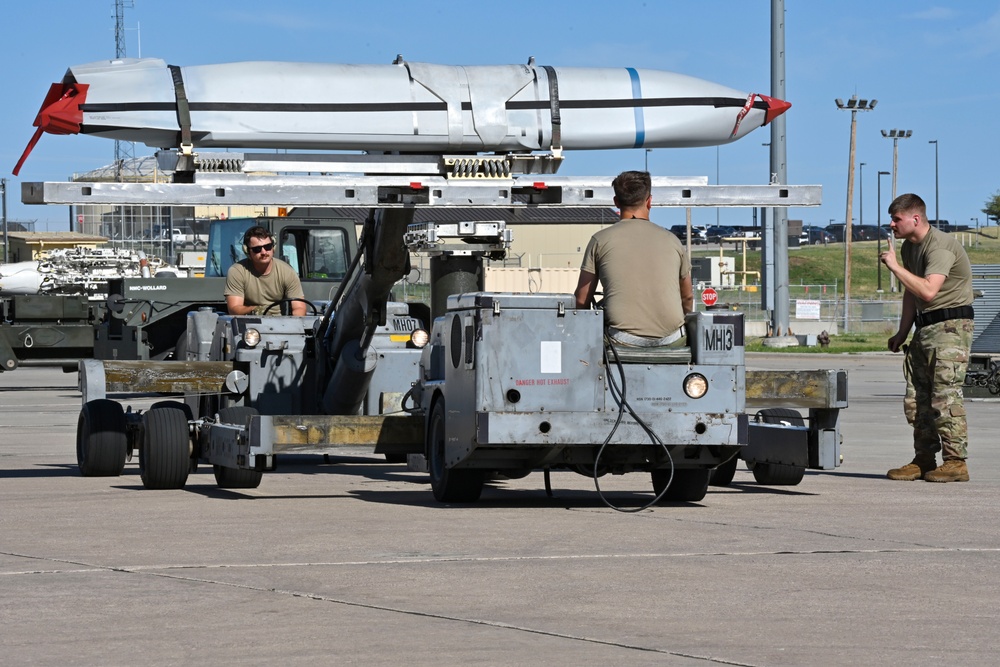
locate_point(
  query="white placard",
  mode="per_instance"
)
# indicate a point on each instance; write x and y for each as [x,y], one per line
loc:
[551,354]
[807,309]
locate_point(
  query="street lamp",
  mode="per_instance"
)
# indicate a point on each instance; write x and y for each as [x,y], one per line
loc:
[878,259]
[937,209]
[896,135]
[861,193]
[854,105]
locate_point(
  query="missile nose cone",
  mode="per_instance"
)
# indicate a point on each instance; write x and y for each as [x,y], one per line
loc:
[775,108]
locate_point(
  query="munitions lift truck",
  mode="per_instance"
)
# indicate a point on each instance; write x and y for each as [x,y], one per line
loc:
[508,383]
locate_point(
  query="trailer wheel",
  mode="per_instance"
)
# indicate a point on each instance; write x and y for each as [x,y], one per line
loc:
[449,486]
[101,443]
[779,474]
[688,485]
[723,475]
[236,478]
[165,453]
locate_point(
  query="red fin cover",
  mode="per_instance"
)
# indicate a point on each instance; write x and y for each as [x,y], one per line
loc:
[60,114]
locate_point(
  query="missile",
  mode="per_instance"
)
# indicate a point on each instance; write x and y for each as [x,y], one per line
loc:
[20,278]
[404,107]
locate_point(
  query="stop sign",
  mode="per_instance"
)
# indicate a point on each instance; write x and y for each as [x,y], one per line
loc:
[709,296]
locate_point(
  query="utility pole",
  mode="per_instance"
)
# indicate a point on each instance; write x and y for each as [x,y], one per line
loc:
[895,135]
[854,105]
[3,210]
[778,243]
[124,150]
[878,258]
[937,200]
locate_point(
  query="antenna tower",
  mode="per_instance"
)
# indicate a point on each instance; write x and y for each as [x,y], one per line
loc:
[124,150]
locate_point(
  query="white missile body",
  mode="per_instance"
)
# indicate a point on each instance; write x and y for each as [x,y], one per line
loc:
[20,278]
[411,107]
[79,271]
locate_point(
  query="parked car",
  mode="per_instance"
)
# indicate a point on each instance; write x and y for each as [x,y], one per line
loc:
[716,233]
[870,232]
[698,236]
[812,235]
[838,232]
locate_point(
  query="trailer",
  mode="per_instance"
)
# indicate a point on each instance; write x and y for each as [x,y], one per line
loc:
[501,383]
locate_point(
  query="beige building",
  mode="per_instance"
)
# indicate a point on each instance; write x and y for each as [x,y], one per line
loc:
[27,246]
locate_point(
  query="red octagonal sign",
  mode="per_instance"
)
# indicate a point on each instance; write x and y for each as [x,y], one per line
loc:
[709,296]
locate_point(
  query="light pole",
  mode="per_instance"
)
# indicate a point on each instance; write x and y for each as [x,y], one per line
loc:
[878,260]
[854,105]
[937,208]
[895,135]
[3,210]
[861,193]
[977,230]
[648,151]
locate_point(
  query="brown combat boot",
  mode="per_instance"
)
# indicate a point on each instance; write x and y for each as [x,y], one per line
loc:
[952,470]
[914,470]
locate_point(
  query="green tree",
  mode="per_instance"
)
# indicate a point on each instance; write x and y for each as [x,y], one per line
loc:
[992,209]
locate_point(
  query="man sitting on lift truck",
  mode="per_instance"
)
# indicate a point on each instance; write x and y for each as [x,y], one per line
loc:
[254,283]
[644,271]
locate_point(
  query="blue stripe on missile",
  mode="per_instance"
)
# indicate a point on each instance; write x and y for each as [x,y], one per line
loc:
[640,127]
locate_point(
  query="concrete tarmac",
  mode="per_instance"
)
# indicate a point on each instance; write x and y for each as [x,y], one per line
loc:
[352,561]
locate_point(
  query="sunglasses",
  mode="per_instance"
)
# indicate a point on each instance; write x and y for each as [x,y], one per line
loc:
[255,249]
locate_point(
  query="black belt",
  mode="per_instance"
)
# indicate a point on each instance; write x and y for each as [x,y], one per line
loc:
[940,315]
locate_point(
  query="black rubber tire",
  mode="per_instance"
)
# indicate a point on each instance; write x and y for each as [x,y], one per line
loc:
[101,442]
[236,478]
[165,453]
[174,405]
[688,485]
[779,474]
[723,475]
[449,486]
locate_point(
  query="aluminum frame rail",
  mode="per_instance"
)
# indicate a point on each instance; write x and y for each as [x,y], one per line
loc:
[409,191]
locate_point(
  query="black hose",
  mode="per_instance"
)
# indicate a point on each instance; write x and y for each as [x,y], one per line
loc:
[623,405]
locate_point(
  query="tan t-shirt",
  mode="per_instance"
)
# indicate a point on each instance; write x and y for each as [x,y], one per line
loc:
[281,283]
[940,253]
[640,265]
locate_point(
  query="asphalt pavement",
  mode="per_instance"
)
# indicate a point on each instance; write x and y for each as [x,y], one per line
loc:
[351,561]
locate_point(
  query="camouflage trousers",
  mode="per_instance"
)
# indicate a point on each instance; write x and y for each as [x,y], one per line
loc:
[935,364]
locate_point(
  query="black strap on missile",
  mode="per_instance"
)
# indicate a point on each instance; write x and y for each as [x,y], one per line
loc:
[554,106]
[183,110]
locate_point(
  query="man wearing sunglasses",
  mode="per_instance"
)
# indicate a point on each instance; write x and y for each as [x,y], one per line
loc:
[254,283]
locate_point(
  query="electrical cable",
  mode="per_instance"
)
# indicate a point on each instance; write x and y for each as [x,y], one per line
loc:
[620,398]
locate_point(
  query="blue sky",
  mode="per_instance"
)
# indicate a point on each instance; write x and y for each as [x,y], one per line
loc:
[932,67]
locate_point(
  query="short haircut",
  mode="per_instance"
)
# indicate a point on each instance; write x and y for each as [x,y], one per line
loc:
[256,232]
[908,203]
[632,188]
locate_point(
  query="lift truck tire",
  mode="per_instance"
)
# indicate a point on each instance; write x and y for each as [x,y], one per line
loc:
[101,443]
[165,452]
[723,475]
[777,474]
[233,478]
[688,485]
[449,486]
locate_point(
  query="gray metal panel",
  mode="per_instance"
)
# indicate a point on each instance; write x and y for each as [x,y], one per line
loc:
[505,300]
[398,192]
[986,280]
[987,334]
